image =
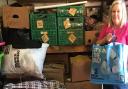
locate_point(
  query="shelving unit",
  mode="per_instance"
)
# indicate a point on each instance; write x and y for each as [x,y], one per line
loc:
[67,49]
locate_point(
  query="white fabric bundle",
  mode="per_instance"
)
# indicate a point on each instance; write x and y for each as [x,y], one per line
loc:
[24,62]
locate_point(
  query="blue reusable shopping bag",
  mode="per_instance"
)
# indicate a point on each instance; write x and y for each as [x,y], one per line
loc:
[109,64]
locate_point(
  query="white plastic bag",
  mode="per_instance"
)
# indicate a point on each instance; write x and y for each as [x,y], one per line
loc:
[24,62]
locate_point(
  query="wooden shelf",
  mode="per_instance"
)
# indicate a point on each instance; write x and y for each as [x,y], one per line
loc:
[67,49]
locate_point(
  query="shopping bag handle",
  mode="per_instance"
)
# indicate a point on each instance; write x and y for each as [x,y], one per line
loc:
[114,38]
[110,48]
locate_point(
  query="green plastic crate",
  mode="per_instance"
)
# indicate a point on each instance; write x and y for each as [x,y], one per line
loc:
[41,21]
[71,37]
[70,10]
[50,38]
[70,22]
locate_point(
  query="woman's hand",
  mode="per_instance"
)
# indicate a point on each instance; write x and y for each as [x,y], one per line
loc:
[108,37]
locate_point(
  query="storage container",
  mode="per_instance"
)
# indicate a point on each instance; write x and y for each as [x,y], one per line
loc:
[43,21]
[70,10]
[16,17]
[70,22]
[45,36]
[71,37]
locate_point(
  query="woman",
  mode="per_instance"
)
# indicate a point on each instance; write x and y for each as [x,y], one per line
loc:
[115,30]
[117,25]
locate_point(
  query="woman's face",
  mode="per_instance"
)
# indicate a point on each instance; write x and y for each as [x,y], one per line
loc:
[116,14]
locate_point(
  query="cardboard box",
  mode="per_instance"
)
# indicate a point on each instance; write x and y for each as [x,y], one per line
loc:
[90,37]
[82,85]
[54,72]
[0,12]
[58,59]
[80,68]
[16,17]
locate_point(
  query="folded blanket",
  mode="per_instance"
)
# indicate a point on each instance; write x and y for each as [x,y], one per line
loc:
[50,84]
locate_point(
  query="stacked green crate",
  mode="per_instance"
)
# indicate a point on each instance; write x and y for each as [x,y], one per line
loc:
[70,25]
[70,11]
[44,27]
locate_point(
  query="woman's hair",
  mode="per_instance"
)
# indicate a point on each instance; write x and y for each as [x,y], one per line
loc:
[124,12]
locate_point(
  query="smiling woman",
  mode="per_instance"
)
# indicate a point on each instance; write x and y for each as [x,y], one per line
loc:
[117,27]
[117,24]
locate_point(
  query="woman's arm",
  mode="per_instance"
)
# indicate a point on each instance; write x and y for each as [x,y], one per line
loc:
[105,39]
[101,41]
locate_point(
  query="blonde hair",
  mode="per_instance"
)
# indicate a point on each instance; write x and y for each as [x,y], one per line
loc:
[124,12]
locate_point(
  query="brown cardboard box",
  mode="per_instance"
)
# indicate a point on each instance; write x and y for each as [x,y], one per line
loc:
[58,59]
[54,72]
[0,11]
[16,17]
[82,85]
[0,16]
[90,37]
[80,68]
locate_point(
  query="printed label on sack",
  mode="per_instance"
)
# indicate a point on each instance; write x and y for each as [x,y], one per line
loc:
[16,59]
[6,50]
